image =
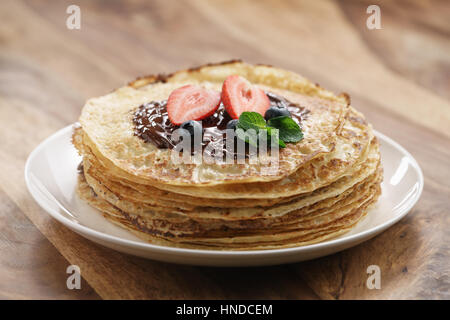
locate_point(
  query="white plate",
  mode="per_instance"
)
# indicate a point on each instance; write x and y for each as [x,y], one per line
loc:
[51,175]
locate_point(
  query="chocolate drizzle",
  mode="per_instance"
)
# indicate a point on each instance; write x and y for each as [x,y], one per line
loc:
[152,124]
[298,113]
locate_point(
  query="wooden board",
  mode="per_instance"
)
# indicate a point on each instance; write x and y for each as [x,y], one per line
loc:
[398,76]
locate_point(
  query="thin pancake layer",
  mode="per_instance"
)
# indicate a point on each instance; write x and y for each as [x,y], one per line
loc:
[266,241]
[129,201]
[109,129]
[349,149]
[314,214]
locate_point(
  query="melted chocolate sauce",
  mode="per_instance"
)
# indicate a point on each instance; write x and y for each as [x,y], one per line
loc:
[298,113]
[152,124]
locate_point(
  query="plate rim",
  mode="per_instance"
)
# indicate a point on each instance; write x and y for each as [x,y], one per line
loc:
[81,229]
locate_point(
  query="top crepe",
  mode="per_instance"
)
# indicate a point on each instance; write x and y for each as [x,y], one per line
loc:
[107,123]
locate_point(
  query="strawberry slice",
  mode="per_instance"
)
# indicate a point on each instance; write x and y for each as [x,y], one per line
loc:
[191,103]
[239,95]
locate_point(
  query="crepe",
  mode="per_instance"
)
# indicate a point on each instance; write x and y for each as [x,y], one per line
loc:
[323,186]
[331,224]
[349,147]
[107,124]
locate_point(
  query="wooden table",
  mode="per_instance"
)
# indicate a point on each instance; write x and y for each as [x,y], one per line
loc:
[398,75]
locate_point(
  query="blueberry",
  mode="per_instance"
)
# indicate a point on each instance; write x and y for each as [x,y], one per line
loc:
[193,127]
[273,112]
[232,124]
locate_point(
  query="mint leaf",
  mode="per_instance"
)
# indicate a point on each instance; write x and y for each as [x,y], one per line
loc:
[289,129]
[251,120]
[254,121]
[275,133]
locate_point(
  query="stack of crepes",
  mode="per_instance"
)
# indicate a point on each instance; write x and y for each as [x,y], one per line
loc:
[324,186]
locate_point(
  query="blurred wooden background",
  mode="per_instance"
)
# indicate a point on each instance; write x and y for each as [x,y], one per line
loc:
[398,75]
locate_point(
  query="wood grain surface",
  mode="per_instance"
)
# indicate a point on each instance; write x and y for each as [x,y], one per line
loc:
[399,76]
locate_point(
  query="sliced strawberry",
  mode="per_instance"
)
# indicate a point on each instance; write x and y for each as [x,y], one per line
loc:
[239,95]
[191,103]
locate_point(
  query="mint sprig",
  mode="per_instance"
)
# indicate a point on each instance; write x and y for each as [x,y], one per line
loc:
[289,129]
[283,128]
[251,120]
[249,126]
